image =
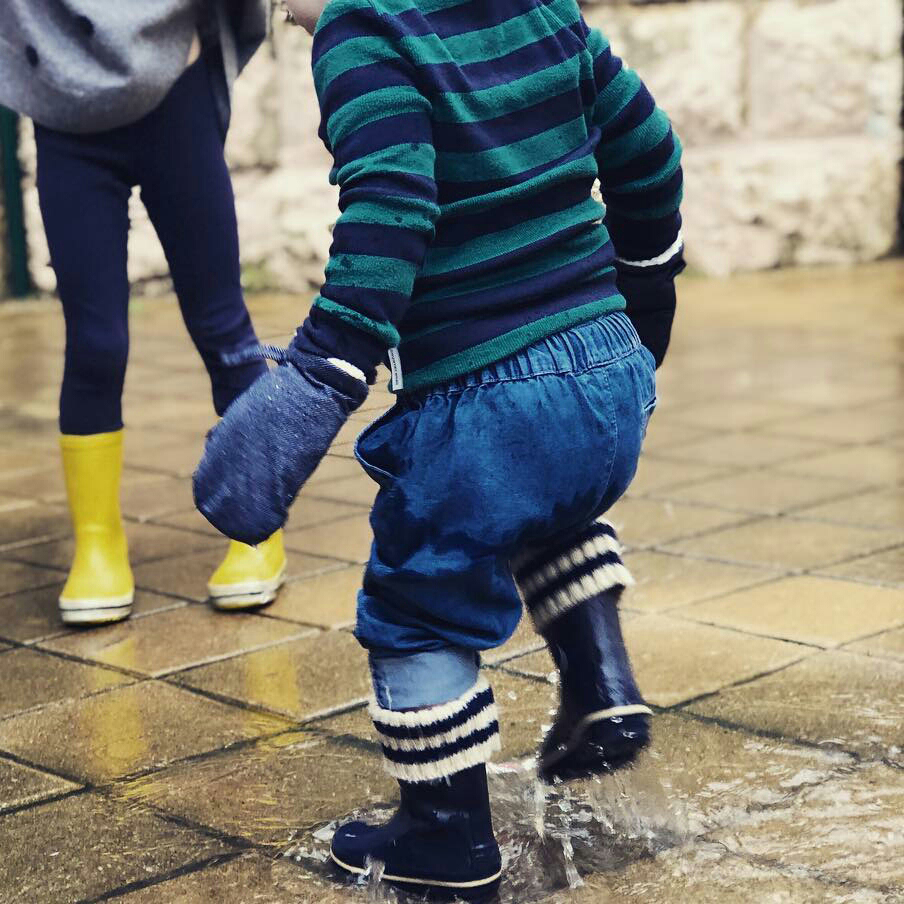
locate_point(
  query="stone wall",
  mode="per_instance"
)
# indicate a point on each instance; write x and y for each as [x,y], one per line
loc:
[789,111]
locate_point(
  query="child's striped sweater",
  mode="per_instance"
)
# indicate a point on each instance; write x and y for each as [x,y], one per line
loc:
[466,138]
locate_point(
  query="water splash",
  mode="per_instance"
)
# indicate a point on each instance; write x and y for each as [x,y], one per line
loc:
[550,838]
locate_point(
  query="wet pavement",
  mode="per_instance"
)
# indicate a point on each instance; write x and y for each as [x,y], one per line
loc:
[192,756]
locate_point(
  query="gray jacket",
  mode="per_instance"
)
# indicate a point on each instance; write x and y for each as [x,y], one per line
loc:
[90,65]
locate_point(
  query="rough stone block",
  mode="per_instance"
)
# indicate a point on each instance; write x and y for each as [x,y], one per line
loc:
[254,132]
[767,204]
[825,68]
[690,55]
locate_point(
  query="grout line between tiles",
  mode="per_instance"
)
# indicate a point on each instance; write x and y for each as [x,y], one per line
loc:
[185,870]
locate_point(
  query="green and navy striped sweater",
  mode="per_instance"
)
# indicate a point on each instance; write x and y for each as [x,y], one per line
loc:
[466,139]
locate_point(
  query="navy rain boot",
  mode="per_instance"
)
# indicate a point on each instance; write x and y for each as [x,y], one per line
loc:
[440,841]
[572,592]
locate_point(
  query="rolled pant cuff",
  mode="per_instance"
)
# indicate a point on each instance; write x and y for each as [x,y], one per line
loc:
[428,744]
[553,581]
[416,680]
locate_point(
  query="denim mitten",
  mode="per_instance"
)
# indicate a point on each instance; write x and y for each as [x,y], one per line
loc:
[269,442]
[650,294]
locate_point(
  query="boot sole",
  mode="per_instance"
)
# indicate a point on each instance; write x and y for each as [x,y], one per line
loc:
[96,612]
[596,760]
[476,889]
[247,595]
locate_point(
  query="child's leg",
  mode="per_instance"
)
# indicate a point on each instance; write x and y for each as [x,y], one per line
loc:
[83,188]
[471,474]
[571,589]
[186,188]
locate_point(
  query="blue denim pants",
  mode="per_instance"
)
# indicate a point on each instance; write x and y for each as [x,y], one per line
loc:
[476,471]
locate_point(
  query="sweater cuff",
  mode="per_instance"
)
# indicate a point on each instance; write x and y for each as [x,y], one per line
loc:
[324,335]
[667,256]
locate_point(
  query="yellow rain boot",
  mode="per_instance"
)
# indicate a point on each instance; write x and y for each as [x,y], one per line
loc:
[249,576]
[100,587]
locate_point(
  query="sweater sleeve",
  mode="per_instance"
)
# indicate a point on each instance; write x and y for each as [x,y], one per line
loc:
[376,123]
[639,161]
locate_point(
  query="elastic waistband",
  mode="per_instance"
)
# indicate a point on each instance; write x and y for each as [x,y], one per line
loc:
[594,343]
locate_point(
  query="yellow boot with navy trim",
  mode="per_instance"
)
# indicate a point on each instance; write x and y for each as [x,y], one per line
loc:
[100,587]
[249,576]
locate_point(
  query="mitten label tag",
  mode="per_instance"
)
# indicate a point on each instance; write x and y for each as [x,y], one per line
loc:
[395,368]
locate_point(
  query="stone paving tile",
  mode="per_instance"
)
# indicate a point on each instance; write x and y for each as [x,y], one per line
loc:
[853,829]
[677,660]
[524,640]
[307,512]
[301,678]
[270,792]
[738,450]
[174,640]
[21,785]
[886,567]
[864,424]
[882,508]
[806,609]
[189,520]
[146,542]
[248,878]
[657,475]
[664,434]
[30,678]
[888,643]
[763,492]
[16,461]
[653,522]
[34,614]
[187,576]
[327,600]
[179,457]
[871,464]
[350,543]
[358,490]
[333,467]
[740,414]
[787,543]
[128,730]
[667,581]
[855,390]
[19,526]
[85,845]
[156,496]
[836,699]
[708,876]
[16,576]
[41,485]
[195,415]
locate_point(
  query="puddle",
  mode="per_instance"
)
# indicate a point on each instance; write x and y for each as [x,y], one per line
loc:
[549,837]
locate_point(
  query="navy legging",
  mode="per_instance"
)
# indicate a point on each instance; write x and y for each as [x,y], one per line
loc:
[175,155]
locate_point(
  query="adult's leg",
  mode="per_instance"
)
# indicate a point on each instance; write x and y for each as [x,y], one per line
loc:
[83,188]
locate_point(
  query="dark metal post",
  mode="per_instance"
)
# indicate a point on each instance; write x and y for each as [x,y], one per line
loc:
[17,247]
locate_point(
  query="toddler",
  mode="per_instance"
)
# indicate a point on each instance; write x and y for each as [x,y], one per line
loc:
[471,257]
